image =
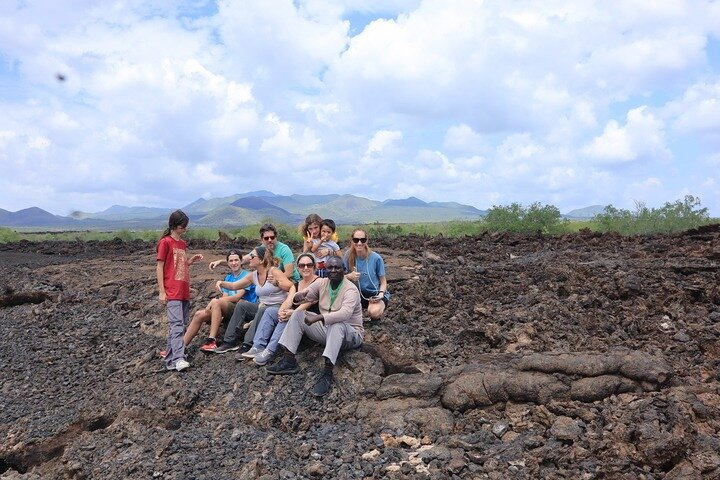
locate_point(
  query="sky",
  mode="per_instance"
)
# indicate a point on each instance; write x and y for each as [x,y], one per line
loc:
[158,103]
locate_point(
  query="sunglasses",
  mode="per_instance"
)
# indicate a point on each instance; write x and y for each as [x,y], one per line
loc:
[269,237]
[252,255]
[359,239]
[306,265]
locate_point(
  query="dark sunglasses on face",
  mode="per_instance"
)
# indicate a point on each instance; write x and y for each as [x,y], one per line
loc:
[252,255]
[306,265]
[267,238]
[359,239]
[333,268]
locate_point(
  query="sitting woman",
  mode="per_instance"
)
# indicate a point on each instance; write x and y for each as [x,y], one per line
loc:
[367,269]
[221,309]
[271,287]
[274,320]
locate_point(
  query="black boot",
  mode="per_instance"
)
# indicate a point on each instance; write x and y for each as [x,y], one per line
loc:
[324,381]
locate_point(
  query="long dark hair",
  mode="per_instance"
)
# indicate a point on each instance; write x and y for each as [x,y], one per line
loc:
[177,219]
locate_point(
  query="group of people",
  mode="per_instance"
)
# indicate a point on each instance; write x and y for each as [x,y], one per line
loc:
[277,299]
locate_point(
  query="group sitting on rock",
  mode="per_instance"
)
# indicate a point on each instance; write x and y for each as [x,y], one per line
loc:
[320,296]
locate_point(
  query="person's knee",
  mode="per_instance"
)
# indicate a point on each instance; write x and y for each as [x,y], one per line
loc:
[376,311]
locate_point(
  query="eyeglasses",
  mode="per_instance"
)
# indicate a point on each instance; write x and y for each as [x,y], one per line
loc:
[306,265]
[359,239]
[269,237]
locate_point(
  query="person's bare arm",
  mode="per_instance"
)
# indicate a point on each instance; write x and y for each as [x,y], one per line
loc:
[161,280]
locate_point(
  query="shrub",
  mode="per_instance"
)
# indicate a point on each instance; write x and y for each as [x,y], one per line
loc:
[677,216]
[516,218]
[7,235]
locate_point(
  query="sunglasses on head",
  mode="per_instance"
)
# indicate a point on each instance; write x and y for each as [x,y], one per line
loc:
[267,238]
[359,239]
[306,265]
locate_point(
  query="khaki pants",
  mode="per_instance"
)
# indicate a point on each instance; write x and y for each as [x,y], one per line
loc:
[335,337]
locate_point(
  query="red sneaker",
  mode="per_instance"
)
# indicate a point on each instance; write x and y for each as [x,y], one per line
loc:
[209,346]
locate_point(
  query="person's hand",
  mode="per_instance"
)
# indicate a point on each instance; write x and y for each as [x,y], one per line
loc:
[322,252]
[218,285]
[162,297]
[214,264]
[284,314]
[299,297]
[311,318]
[196,258]
[271,278]
[353,276]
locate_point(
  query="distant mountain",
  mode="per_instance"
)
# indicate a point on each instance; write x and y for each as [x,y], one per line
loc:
[33,217]
[405,202]
[203,207]
[587,212]
[260,207]
[254,207]
[121,212]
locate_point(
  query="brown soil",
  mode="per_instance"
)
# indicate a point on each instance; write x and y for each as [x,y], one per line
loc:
[501,356]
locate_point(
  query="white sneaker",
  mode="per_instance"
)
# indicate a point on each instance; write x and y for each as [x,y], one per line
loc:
[264,357]
[181,365]
[252,352]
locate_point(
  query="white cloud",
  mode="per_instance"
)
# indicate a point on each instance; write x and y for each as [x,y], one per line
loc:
[641,137]
[698,111]
[382,140]
[481,102]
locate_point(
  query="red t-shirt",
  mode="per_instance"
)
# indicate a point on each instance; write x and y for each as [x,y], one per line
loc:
[176,271]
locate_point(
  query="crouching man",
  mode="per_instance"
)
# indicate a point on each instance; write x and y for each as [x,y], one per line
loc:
[339,326]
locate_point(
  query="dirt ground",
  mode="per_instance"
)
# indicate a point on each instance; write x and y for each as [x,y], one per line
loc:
[501,356]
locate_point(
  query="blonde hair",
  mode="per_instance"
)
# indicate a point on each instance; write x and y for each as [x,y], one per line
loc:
[351,254]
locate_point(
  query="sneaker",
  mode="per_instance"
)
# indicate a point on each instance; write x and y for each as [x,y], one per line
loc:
[264,357]
[323,383]
[243,348]
[181,365]
[210,346]
[251,353]
[286,366]
[225,347]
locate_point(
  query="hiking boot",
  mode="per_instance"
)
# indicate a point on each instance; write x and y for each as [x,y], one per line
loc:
[225,347]
[209,346]
[264,357]
[251,353]
[286,366]
[323,383]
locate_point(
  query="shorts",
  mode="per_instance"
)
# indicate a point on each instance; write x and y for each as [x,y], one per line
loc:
[365,302]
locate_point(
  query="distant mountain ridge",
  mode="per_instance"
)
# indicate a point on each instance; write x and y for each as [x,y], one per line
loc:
[254,207]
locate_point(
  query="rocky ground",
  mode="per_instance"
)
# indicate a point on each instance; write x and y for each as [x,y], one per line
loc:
[502,356]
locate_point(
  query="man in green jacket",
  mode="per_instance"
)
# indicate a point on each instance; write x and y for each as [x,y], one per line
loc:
[339,326]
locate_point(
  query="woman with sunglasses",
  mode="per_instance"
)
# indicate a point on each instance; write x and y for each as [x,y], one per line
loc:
[221,308]
[367,269]
[274,320]
[271,287]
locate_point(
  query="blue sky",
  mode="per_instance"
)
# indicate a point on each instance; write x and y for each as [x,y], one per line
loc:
[481,102]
